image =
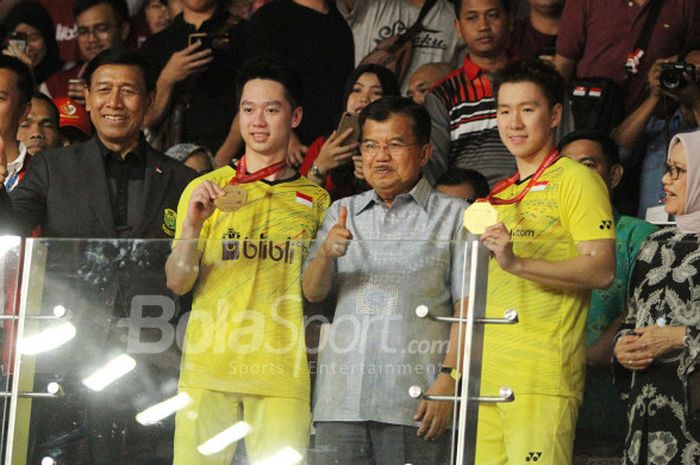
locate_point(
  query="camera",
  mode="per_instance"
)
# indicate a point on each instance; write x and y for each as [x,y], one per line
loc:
[214,42]
[673,75]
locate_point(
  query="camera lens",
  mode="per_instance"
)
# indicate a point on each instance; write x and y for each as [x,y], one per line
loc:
[671,79]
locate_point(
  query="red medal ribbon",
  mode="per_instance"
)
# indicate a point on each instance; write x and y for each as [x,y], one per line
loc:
[551,157]
[242,178]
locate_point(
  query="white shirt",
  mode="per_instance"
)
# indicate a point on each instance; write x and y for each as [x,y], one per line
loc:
[14,167]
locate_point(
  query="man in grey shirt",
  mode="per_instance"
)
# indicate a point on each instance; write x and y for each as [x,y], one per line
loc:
[408,250]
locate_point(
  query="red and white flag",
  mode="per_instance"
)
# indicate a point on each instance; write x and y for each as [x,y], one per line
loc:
[305,199]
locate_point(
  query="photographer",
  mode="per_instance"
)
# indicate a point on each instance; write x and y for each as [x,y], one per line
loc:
[646,131]
[193,61]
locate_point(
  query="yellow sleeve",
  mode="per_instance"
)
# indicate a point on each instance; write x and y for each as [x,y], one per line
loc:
[584,201]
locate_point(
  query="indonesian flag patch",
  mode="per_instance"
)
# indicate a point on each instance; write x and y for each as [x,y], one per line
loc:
[305,199]
[539,186]
[595,92]
[580,91]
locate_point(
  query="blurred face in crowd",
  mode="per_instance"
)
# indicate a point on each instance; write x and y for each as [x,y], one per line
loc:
[39,129]
[118,101]
[175,7]
[266,117]
[590,154]
[366,90]
[675,190]
[199,161]
[391,157]
[11,110]
[422,81]
[525,120]
[483,25]
[464,190]
[36,46]
[547,7]
[157,15]
[198,6]
[99,29]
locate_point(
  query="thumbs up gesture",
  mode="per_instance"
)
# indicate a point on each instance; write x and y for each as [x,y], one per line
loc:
[3,162]
[339,237]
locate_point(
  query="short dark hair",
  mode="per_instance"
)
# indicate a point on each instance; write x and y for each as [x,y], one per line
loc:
[25,81]
[121,56]
[458,6]
[271,68]
[119,7]
[47,99]
[457,176]
[535,71]
[386,107]
[611,151]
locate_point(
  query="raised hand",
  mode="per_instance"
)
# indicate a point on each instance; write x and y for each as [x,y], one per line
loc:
[334,153]
[186,62]
[339,237]
[201,204]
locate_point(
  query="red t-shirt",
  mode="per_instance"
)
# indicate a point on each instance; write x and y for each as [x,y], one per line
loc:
[599,34]
[527,42]
[61,12]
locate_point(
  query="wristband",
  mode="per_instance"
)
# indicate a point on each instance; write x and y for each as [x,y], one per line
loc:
[453,372]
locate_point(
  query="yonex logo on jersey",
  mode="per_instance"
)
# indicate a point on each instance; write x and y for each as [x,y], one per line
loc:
[233,248]
[533,457]
[605,224]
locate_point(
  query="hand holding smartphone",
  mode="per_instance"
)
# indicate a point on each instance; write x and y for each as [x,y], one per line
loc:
[349,121]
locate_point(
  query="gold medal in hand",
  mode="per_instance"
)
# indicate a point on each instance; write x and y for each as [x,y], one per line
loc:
[479,216]
[234,199]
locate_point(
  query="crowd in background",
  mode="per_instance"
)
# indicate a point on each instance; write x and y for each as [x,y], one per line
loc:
[194,49]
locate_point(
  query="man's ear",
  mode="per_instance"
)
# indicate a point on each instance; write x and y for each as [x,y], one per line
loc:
[86,95]
[297,115]
[557,111]
[616,175]
[426,153]
[151,100]
[125,28]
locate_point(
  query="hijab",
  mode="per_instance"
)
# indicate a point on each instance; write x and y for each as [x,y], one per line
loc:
[34,14]
[689,222]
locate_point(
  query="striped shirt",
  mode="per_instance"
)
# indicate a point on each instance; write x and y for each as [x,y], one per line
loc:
[464,130]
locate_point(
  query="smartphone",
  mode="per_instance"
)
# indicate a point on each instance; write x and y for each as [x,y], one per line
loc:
[200,37]
[349,120]
[549,51]
[18,40]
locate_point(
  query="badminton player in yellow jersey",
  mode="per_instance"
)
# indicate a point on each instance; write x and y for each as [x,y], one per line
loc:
[244,367]
[553,243]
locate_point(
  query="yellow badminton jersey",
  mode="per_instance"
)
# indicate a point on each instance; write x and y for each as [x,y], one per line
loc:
[544,353]
[245,333]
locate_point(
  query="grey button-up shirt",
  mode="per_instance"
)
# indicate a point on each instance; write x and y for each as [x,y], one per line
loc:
[376,347]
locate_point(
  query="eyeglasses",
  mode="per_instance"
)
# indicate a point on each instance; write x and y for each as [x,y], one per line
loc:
[99,30]
[673,171]
[371,149]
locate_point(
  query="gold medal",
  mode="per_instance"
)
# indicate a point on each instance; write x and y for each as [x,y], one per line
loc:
[234,199]
[479,216]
